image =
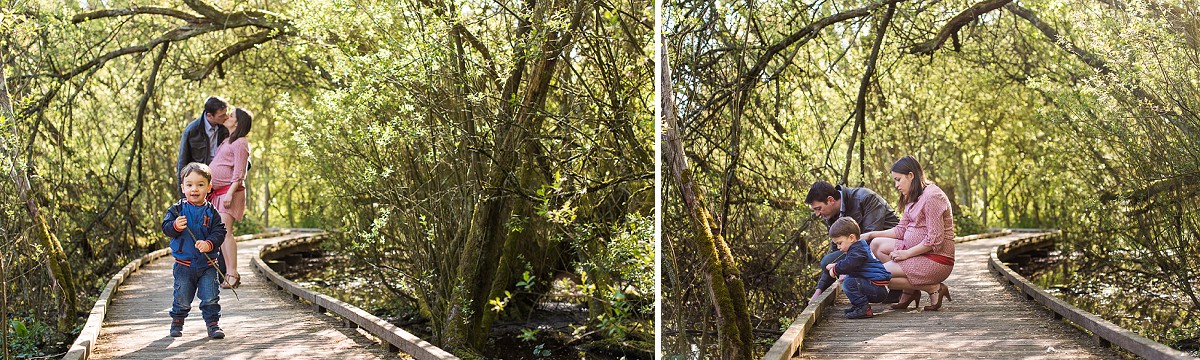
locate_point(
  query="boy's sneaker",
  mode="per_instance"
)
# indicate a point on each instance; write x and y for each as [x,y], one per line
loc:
[214,331]
[176,327]
[860,313]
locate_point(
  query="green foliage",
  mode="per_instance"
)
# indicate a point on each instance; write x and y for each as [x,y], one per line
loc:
[380,121]
[614,322]
[413,137]
[527,282]
[630,255]
[1100,139]
[248,225]
[541,352]
[966,224]
[498,304]
[528,334]
[31,338]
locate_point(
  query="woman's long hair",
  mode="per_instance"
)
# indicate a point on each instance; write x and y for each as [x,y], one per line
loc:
[908,164]
[243,124]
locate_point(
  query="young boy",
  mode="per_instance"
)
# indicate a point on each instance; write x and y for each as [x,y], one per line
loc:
[866,279]
[196,233]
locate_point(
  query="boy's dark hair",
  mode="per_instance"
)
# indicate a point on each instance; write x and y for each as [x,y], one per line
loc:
[243,117]
[844,226]
[213,104]
[820,191]
[195,167]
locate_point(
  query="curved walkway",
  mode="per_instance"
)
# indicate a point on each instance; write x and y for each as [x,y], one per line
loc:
[264,324]
[986,320]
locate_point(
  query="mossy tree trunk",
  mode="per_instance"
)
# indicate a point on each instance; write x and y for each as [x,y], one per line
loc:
[56,260]
[724,279]
[501,224]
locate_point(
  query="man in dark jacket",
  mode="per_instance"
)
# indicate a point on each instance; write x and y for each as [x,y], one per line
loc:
[866,207]
[201,137]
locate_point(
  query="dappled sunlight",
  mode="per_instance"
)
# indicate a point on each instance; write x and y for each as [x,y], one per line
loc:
[264,324]
[985,319]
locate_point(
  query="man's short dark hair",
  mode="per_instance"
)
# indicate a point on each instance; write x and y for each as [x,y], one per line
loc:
[214,104]
[844,226]
[820,191]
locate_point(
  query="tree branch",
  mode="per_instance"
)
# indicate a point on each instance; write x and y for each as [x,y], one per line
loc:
[204,9]
[751,78]
[135,10]
[470,37]
[804,35]
[274,26]
[1101,66]
[955,23]
[860,104]
[1180,181]
[137,140]
[201,72]
[1087,57]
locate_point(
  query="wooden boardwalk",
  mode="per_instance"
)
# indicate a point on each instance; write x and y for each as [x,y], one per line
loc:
[265,324]
[986,320]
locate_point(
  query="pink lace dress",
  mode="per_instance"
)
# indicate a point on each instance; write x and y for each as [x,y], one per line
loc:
[228,168]
[929,221]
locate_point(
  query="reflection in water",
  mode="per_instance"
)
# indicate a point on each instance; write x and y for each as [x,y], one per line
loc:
[1118,286]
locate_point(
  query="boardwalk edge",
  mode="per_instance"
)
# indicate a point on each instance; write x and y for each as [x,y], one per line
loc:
[85,343]
[394,336]
[1103,329]
[792,339]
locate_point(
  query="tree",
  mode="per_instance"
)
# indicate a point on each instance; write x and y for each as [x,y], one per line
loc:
[58,266]
[722,275]
[500,154]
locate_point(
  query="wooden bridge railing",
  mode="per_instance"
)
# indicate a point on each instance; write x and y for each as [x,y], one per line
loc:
[1105,332]
[793,338]
[85,343]
[395,337]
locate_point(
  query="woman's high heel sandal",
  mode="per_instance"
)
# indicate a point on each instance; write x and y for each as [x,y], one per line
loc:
[237,281]
[943,294]
[912,296]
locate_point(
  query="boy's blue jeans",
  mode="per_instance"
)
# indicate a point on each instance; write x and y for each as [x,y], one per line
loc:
[861,291]
[190,283]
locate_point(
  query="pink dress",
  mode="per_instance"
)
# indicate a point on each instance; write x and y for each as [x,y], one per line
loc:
[929,222]
[229,167]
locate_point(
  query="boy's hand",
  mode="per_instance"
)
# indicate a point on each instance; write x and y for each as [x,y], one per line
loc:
[203,246]
[180,223]
[830,269]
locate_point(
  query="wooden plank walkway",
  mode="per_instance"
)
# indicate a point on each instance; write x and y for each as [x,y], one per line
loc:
[265,324]
[986,320]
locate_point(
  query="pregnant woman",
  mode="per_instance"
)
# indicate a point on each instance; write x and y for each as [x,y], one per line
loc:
[919,252]
[229,193]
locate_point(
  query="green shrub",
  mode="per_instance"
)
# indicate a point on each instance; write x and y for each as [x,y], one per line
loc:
[966,224]
[30,338]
